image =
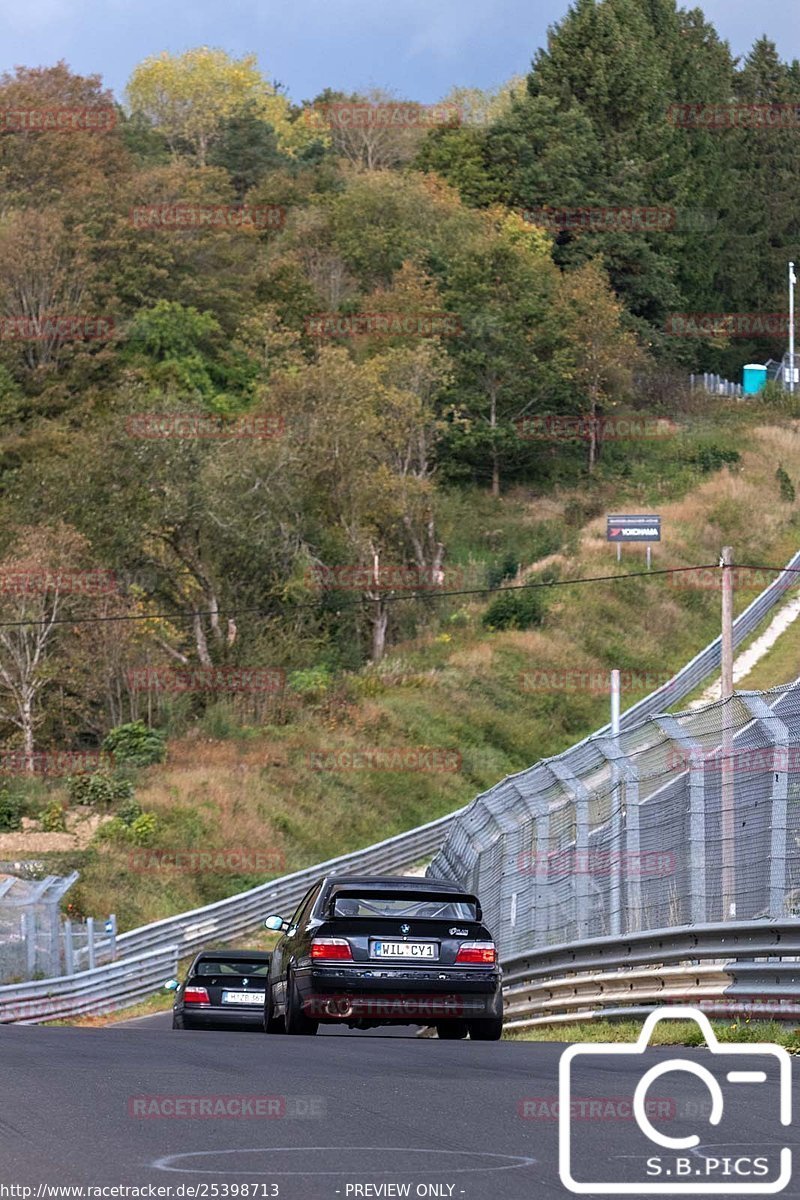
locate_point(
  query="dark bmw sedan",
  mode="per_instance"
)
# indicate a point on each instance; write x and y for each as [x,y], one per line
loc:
[223,989]
[367,951]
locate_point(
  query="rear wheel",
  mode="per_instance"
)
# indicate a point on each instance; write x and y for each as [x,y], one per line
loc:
[296,1020]
[486,1029]
[272,1022]
[451,1030]
[177,1022]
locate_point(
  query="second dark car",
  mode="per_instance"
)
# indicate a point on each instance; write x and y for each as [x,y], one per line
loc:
[223,989]
[396,950]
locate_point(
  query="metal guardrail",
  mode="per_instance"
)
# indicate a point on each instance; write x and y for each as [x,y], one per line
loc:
[734,967]
[241,913]
[104,989]
[175,937]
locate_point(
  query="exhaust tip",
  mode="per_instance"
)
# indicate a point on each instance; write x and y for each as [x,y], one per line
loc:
[340,1007]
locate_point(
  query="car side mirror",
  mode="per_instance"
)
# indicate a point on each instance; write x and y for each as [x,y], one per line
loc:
[276,923]
[171,985]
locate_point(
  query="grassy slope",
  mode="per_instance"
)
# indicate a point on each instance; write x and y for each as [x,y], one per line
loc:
[459,686]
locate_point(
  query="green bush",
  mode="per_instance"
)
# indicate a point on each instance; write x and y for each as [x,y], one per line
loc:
[10,811]
[500,571]
[140,829]
[129,811]
[313,682]
[53,818]
[515,608]
[137,744]
[114,830]
[712,457]
[98,789]
[143,829]
[786,485]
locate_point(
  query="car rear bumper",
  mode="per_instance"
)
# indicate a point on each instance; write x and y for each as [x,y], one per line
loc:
[399,996]
[216,1015]
[369,980]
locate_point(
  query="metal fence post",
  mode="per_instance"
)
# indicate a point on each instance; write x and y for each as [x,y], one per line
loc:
[778,734]
[90,943]
[580,800]
[694,760]
[69,949]
[626,778]
[111,929]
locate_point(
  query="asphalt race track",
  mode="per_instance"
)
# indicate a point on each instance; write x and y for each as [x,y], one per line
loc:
[350,1116]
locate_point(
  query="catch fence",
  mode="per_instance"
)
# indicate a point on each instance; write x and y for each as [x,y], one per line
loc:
[680,820]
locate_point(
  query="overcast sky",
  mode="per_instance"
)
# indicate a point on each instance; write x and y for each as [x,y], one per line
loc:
[416,48]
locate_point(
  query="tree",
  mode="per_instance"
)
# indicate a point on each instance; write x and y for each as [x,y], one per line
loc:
[374,130]
[40,583]
[41,168]
[45,274]
[500,285]
[363,438]
[189,97]
[601,354]
[247,148]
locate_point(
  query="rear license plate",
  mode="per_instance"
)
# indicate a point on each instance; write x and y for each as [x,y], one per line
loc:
[403,950]
[243,997]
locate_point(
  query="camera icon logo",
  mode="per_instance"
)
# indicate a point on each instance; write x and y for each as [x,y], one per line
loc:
[682,1165]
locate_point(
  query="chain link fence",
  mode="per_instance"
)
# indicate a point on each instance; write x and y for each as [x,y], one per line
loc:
[36,942]
[31,926]
[680,820]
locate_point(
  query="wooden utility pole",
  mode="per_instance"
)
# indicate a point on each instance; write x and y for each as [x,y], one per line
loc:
[727,789]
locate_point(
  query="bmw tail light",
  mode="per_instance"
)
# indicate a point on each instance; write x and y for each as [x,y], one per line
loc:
[332,949]
[483,953]
[196,995]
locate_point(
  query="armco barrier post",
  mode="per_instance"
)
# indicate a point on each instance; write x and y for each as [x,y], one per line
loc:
[69,949]
[90,943]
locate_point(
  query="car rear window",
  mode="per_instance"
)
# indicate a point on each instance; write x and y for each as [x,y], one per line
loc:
[434,907]
[219,967]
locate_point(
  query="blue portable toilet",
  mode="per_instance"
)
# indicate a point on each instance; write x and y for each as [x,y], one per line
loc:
[754,377]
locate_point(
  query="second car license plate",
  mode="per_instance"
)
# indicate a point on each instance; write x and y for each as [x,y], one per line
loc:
[403,950]
[243,997]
